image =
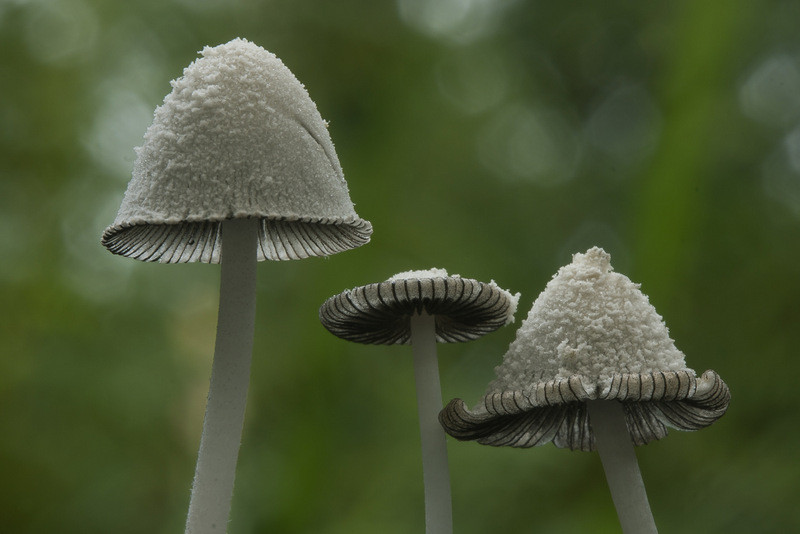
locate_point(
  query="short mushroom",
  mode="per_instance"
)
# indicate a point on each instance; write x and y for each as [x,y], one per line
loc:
[422,308]
[593,367]
[237,167]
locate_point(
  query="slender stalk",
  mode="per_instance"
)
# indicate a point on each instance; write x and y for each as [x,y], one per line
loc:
[435,471]
[212,489]
[622,470]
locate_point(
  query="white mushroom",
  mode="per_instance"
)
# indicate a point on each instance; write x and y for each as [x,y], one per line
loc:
[421,308]
[593,367]
[237,167]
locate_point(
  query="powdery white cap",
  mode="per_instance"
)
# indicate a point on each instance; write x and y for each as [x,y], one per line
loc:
[592,322]
[591,334]
[238,137]
[464,309]
[433,272]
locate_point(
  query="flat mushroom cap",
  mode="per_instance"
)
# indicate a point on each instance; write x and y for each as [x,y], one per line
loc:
[238,137]
[380,314]
[591,334]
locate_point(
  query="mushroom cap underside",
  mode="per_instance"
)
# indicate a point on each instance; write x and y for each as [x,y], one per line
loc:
[379,314]
[556,410]
[199,241]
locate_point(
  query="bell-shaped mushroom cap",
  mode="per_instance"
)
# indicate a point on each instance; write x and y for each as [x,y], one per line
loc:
[591,334]
[379,314]
[238,137]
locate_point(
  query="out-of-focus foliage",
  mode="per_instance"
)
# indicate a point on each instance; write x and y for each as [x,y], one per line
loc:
[492,138]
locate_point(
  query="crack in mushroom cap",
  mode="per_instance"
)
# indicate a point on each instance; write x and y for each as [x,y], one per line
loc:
[591,334]
[379,314]
[237,137]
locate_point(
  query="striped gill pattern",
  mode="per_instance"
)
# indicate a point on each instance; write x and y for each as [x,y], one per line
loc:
[556,410]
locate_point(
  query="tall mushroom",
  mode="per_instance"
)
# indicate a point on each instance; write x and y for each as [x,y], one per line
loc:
[593,367]
[237,167]
[421,308]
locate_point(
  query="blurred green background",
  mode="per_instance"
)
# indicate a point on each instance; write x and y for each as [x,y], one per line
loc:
[493,138]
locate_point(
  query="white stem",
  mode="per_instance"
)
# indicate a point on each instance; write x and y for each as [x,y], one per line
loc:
[622,470]
[212,489]
[435,471]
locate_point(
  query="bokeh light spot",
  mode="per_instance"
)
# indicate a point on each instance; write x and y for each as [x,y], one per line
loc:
[60,31]
[626,124]
[119,125]
[474,80]
[771,93]
[523,143]
[780,173]
[460,21]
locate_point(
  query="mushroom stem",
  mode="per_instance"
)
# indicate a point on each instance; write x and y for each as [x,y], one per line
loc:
[618,457]
[435,471]
[212,489]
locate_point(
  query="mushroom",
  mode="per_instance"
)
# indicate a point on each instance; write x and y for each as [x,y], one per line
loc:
[593,367]
[237,167]
[422,308]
